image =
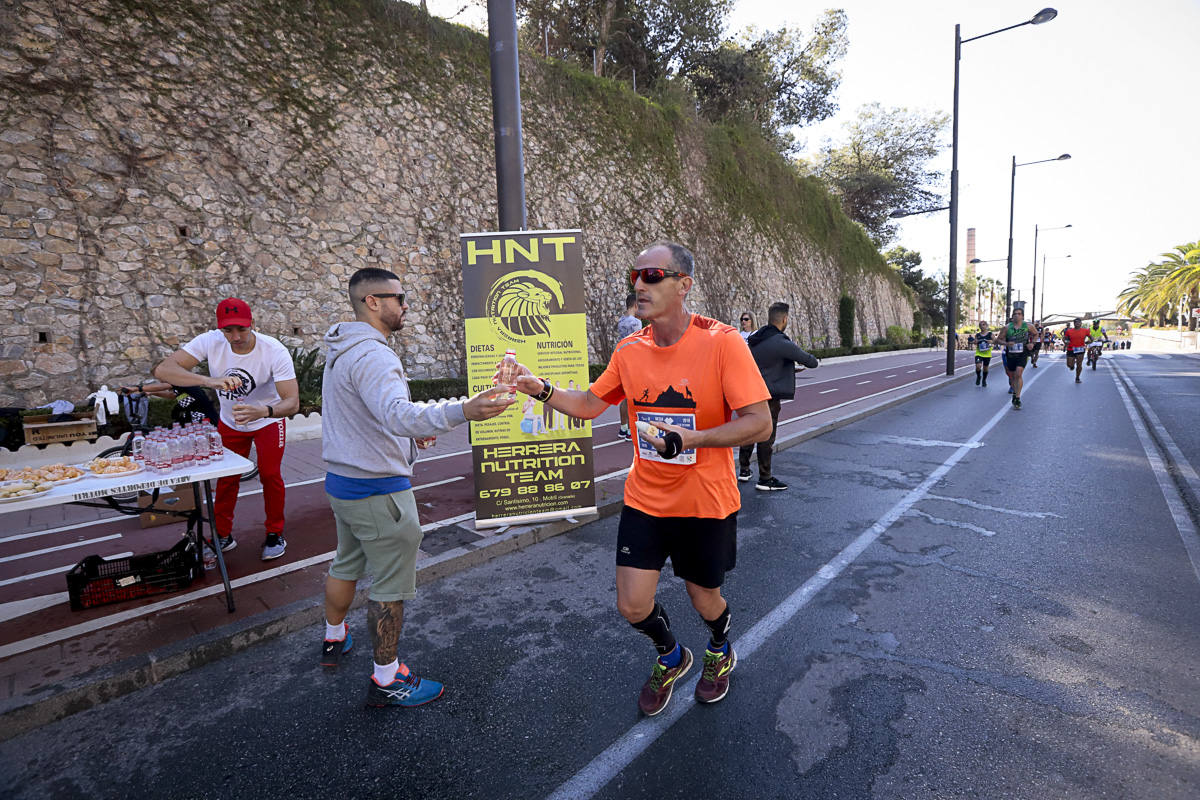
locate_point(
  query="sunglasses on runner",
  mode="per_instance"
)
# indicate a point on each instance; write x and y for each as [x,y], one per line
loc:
[652,274]
[398,295]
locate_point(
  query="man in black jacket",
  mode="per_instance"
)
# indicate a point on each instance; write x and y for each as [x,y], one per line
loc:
[776,356]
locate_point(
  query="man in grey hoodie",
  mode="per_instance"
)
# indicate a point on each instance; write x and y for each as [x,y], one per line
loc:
[371,431]
[776,356]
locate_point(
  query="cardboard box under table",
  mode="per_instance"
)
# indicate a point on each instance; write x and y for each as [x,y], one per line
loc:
[40,430]
[121,494]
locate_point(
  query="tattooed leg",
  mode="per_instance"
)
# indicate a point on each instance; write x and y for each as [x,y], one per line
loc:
[385,621]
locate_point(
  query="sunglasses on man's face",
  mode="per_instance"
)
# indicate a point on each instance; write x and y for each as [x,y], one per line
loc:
[745,319]
[398,295]
[652,274]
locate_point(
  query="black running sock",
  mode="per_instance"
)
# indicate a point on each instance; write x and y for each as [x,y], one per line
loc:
[719,628]
[658,627]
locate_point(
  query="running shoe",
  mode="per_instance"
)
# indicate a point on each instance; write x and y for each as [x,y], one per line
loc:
[745,474]
[227,543]
[405,690]
[333,649]
[1016,402]
[770,485]
[1077,380]
[976,378]
[714,680]
[273,547]
[623,433]
[656,692]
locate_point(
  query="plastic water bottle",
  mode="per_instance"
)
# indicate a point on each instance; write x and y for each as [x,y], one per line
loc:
[216,448]
[200,452]
[508,375]
[138,448]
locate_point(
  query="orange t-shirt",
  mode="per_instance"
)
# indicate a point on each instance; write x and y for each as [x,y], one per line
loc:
[1076,337]
[697,383]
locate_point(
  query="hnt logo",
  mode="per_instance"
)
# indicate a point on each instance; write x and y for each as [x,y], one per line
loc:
[520,304]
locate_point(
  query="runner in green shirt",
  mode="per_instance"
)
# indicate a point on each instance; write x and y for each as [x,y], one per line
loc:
[1017,339]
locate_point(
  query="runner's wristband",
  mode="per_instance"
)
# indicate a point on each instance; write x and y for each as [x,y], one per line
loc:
[270,411]
[546,392]
[674,444]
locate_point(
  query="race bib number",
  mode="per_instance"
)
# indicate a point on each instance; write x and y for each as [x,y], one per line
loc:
[1078,350]
[646,450]
[985,349]
[1016,347]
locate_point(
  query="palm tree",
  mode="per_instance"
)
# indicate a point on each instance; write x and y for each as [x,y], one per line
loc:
[1158,288]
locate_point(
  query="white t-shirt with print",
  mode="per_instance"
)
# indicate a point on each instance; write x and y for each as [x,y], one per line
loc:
[259,369]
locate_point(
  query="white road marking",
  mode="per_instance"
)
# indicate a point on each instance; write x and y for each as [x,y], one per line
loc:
[860,383]
[827,391]
[439,483]
[909,371]
[836,406]
[927,442]
[885,377]
[1132,355]
[982,507]
[637,739]
[1175,502]
[44,573]
[1186,471]
[913,512]
[19,608]
[56,548]
[1160,355]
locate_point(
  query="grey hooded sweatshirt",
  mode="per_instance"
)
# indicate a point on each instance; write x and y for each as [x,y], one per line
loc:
[368,420]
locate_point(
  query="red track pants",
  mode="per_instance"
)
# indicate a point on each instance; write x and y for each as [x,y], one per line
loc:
[268,441]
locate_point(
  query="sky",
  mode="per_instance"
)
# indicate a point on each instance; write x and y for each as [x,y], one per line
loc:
[1111,83]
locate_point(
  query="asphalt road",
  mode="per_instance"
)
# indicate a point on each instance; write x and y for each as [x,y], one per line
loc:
[955,599]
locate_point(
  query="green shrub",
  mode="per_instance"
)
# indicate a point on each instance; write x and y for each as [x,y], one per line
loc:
[846,320]
[437,388]
[310,369]
[897,334]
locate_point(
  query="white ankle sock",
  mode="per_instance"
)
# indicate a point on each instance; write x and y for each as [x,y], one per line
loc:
[386,673]
[335,633]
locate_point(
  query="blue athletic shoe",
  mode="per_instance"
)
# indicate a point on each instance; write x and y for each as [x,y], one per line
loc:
[407,690]
[332,650]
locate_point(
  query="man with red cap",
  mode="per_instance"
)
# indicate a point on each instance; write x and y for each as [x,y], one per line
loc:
[255,380]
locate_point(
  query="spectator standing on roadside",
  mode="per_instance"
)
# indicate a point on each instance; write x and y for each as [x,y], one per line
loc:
[681,499]
[627,326]
[776,356]
[256,387]
[371,431]
[747,325]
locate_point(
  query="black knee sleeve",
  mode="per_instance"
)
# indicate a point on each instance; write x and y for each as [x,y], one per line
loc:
[719,627]
[657,626]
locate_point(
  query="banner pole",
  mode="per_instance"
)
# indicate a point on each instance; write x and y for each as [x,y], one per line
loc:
[506,113]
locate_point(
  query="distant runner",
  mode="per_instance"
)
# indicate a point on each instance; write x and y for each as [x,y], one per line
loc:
[983,352]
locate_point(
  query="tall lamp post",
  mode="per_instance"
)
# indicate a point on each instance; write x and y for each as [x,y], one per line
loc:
[1033,295]
[1012,195]
[1045,15]
[1068,255]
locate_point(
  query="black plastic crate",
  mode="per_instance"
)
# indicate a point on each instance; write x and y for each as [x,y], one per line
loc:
[96,581]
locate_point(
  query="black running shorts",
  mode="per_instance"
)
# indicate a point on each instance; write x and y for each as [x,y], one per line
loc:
[1015,361]
[985,360]
[701,549]
[1036,346]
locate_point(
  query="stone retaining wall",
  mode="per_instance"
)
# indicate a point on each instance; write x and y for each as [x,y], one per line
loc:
[158,156]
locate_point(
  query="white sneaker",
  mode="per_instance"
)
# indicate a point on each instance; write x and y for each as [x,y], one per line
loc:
[274,547]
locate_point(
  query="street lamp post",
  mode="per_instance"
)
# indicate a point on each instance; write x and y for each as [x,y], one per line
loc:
[1012,195]
[1033,295]
[1045,15]
[987,261]
[1068,255]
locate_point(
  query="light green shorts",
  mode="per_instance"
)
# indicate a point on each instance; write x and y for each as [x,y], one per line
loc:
[378,535]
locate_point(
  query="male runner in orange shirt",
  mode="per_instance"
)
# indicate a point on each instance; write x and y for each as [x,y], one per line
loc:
[1076,338]
[685,375]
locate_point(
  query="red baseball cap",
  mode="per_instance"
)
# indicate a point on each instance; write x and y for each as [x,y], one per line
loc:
[232,311]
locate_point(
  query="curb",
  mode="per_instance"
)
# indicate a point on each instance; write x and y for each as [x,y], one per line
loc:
[124,677]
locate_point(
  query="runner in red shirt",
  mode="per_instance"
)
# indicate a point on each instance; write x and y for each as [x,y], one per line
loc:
[684,377]
[1075,341]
